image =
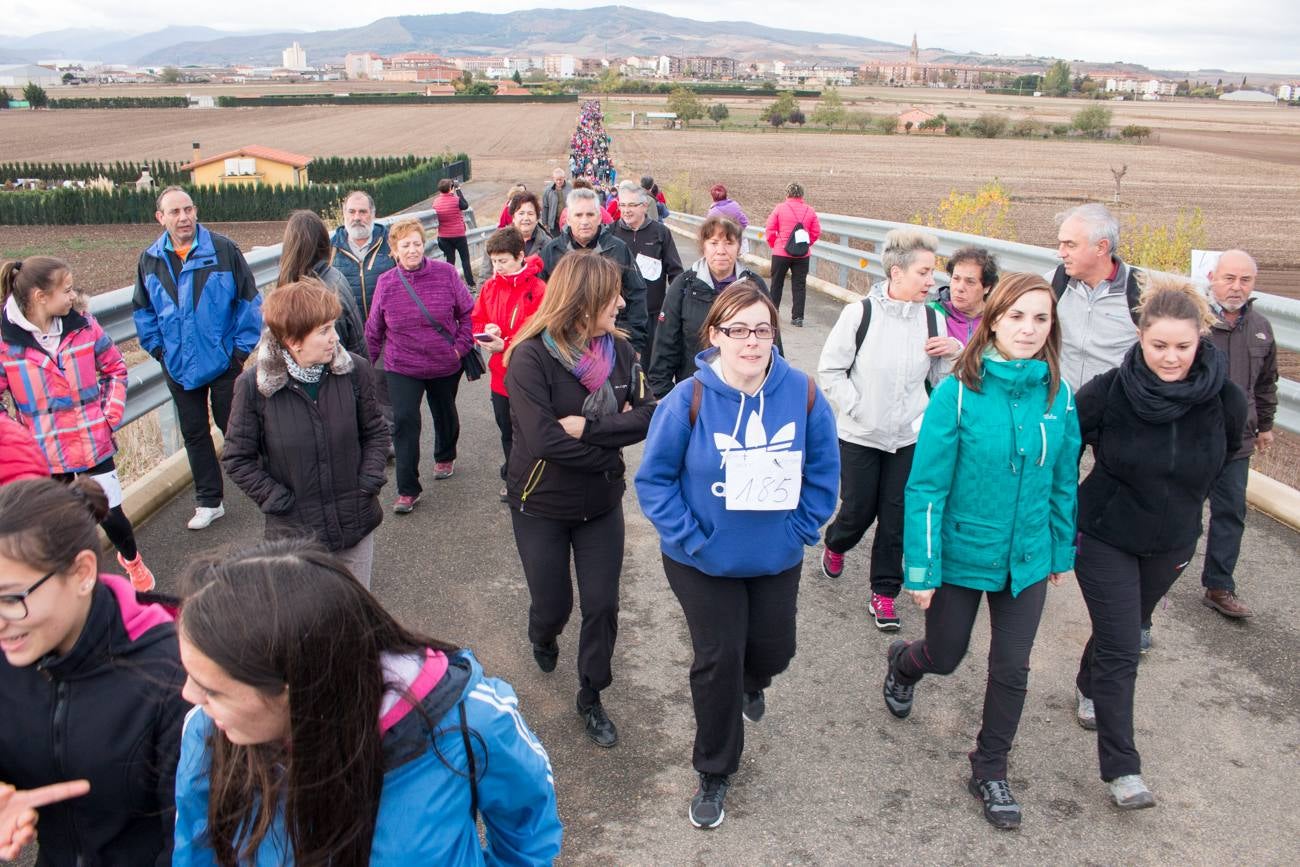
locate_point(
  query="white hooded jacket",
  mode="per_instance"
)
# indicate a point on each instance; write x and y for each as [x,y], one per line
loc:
[880,396]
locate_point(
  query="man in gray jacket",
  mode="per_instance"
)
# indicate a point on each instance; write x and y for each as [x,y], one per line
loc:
[553,202]
[1096,293]
[1246,338]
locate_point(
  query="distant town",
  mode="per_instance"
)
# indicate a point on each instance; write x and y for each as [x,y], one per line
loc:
[516,75]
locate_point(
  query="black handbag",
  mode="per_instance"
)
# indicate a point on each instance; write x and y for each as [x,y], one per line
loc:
[472,364]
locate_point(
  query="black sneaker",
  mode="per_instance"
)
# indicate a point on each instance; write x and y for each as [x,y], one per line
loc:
[754,706]
[546,655]
[898,698]
[706,807]
[1000,808]
[797,323]
[600,728]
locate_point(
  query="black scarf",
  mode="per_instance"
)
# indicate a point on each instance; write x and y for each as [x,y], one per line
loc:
[1158,402]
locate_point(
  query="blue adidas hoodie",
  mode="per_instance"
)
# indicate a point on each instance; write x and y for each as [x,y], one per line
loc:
[680,482]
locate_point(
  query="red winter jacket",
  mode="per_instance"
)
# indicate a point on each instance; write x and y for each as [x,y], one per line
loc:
[509,301]
[73,406]
[451,224]
[20,457]
[782,222]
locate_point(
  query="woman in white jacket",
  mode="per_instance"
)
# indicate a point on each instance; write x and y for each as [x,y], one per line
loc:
[874,368]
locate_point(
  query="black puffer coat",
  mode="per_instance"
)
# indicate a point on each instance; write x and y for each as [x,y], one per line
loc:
[315,467]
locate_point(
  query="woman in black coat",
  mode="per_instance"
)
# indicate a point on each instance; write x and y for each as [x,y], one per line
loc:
[1161,425]
[307,440]
[577,397]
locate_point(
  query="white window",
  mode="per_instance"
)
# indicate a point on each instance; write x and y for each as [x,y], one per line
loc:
[232,166]
[247,166]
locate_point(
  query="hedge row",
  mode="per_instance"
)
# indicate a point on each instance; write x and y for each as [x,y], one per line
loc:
[64,207]
[162,171]
[381,99]
[121,102]
[341,170]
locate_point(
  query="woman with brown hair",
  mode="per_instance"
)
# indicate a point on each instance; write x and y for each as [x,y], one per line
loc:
[453,236]
[307,440]
[306,253]
[324,732]
[577,397]
[1161,426]
[989,511]
[734,513]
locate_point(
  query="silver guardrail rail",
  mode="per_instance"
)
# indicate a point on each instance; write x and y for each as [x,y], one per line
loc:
[146,388]
[844,243]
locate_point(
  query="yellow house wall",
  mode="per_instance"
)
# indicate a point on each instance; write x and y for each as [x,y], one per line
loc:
[268,172]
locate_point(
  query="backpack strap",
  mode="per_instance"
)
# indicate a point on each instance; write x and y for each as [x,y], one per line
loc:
[697,396]
[812,395]
[1059,281]
[931,322]
[472,765]
[1133,294]
[861,334]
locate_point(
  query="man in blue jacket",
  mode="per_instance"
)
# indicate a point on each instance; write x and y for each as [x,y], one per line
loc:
[197,311]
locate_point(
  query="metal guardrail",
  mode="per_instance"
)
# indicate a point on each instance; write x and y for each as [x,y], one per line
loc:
[146,388]
[1283,313]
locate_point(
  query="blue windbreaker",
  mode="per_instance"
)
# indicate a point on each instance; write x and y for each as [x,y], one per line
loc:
[424,809]
[682,473]
[200,320]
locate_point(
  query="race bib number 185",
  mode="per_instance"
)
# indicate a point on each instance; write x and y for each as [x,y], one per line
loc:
[763,481]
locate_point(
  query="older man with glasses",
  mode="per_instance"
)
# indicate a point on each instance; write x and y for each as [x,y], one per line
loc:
[653,248]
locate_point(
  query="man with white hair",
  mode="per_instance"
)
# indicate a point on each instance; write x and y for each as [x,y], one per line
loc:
[553,201]
[1096,294]
[1245,336]
[653,248]
[359,248]
[586,232]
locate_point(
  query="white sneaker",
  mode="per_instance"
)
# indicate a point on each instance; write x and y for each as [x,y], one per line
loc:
[1130,793]
[1085,712]
[205,515]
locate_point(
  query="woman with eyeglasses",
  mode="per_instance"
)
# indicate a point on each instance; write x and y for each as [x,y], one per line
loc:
[90,682]
[739,473]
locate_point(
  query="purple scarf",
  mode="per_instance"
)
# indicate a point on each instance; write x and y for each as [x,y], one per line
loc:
[592,370]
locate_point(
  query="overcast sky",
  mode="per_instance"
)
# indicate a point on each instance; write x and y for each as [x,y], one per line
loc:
[1260,35]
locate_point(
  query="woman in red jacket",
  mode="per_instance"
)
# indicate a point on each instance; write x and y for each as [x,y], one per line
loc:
[67,380]
[508,300]
[792,248]
[452,240]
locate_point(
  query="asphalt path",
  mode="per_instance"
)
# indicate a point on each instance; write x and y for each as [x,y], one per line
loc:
[828,776]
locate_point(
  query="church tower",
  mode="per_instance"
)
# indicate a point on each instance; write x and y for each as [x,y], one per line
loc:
[915,57]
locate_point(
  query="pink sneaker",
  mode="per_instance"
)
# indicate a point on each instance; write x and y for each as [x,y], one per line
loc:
[882,608]
[832,563]
[444,469]
[405,504]
[141,577]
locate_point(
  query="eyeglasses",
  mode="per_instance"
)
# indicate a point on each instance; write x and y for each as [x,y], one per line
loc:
[13,606]
[742,332]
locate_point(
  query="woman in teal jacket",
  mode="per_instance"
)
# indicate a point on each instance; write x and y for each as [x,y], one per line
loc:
[989,509]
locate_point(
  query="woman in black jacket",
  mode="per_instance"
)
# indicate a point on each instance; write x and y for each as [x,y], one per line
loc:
[306,253]
[90,682]
[577,397]
[1161,426]
[687,300]
[307,440]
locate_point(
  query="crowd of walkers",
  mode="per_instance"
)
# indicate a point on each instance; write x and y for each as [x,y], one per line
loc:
[220,725]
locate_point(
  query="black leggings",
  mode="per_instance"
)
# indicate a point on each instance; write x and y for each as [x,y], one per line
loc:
[117,526]
[797,267]
[1014,624]
[596,547]
[450,247]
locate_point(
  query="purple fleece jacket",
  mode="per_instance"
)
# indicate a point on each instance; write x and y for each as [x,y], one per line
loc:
[397,329]
[730,209]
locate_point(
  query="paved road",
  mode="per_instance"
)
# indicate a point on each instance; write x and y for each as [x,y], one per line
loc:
[829,777]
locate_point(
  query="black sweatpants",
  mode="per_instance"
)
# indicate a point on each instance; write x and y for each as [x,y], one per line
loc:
[1227,523]
[452,247]
[743,633]
[797,267]
[871,491]
[196,430]
[501,412]
[117,526]
[1121,590]
[406,393]
[596,546]
[1014,624]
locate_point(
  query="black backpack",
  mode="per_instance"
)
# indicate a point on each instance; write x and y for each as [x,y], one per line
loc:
[1132,292]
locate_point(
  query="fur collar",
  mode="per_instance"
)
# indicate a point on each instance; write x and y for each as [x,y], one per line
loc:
[273,373]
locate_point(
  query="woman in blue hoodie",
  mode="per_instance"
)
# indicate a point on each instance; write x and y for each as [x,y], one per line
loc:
[742,451]
[989,511]
[326,733]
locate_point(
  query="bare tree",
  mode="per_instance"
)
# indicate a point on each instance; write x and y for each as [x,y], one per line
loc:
[1119,176]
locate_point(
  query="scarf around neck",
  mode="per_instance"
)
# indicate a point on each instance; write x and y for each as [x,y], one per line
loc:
[592,370]
[1158,402]
[309,375]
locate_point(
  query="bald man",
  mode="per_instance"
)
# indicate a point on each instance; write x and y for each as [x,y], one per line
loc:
[1246,338]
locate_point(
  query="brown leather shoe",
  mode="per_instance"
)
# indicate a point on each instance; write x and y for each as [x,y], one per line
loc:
[1225,602]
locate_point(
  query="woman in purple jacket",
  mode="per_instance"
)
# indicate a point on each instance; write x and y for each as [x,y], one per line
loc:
[729,208]
[419,322]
